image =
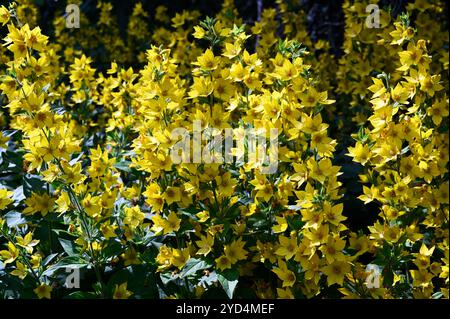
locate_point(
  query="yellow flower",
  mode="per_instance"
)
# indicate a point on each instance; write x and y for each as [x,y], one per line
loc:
[133,216]
[43,291]
[287,247]
[108,230]
[421,278]
[317,236]
[39,204]
[199,32]
[154,198]
[121,292]
[238,72]
[286,72]
[63,202]
[223,89]
[8,256]
[203,216]
[235,251]
[225,184]
[4,15]
[333,248]
[360,153]
[130,257]
[223,262]
[20,271]
[202,87]
[232,50]
[172,223]
[312,98]
[172,194]
[205,244]
[92,205]
[401,33]
[281,226]
[438,110]
[336,272]
[360,244]
[207,61]
[27,242]
[265,192]
[285,293]
[180,257]
[286,275]
[3,141]
[5,198]
[34,39]
[164,257]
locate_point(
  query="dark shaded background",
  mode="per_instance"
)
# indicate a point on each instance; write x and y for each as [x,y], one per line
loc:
[325,19]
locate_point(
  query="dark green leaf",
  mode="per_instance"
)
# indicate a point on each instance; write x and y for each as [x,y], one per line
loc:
[229,281]
[192,266]
[14,219]
[68,246]
[71,262]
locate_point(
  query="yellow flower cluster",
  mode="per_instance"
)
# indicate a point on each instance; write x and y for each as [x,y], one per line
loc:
[88,181]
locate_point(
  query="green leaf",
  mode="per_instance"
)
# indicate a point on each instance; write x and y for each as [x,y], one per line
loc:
[209,279]
[80,295]
[14,219]
[229,281]
[192,266]
[123,166]
[139,279]
[113,249]
[68,246]
[47,86]
[168,277]
[388,277]
[31,184]
[18,194]
[437,295]
[71,262]
[48,259]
